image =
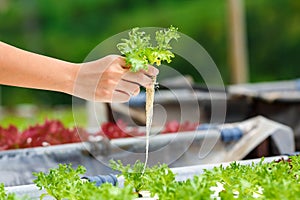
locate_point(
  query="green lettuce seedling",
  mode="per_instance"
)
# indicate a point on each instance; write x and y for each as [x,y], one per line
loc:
[139,51]
[64,182]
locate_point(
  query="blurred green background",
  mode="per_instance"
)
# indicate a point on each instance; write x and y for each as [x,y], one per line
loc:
[69,30]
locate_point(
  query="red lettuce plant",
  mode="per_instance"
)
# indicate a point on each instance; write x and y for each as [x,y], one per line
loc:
[52,132]
[118,130]
[9,138]
[174,126]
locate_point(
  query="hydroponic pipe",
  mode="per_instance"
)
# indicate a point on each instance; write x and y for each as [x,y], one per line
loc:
[227,134]
[100,179]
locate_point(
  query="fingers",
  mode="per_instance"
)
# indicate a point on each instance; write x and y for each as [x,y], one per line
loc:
[109,79]
[119,96]
[110,95]
[122,62]
[115,91]
[128,87]
[117,64]
[115,97]
[142,77]
[122,88]
[152,71]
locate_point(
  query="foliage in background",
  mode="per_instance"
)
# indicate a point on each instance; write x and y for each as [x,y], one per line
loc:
[274,39]
[69,30]
[22,117]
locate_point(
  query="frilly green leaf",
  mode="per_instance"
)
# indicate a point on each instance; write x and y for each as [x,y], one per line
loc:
[139,51]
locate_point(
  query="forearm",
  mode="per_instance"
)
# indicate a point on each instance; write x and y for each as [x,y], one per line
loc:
[26,69]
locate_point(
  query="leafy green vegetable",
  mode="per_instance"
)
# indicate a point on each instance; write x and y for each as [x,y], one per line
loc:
[132,174]
[3,194]
[65,183]
[153,179]
[89,191]
[274,180]
[10,196]
[159,180]
[139,51]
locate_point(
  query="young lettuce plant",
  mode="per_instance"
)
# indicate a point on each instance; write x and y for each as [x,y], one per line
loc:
[139,53]
[9,196]
[158,179]
[64,182]
[5,196]
[274,180]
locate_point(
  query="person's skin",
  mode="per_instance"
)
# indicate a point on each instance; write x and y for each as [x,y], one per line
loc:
[107,79]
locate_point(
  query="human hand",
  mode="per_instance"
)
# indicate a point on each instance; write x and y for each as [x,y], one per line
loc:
[110,80]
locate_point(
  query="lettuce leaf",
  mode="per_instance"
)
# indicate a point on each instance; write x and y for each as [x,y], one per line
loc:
[140,52]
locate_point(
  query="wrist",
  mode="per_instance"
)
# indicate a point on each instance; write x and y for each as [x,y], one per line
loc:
[70,78]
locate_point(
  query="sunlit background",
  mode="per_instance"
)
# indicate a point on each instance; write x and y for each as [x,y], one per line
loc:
[69,30]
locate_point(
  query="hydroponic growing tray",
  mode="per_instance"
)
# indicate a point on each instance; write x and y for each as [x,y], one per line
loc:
[208,145]
[278,101]
[182,173]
